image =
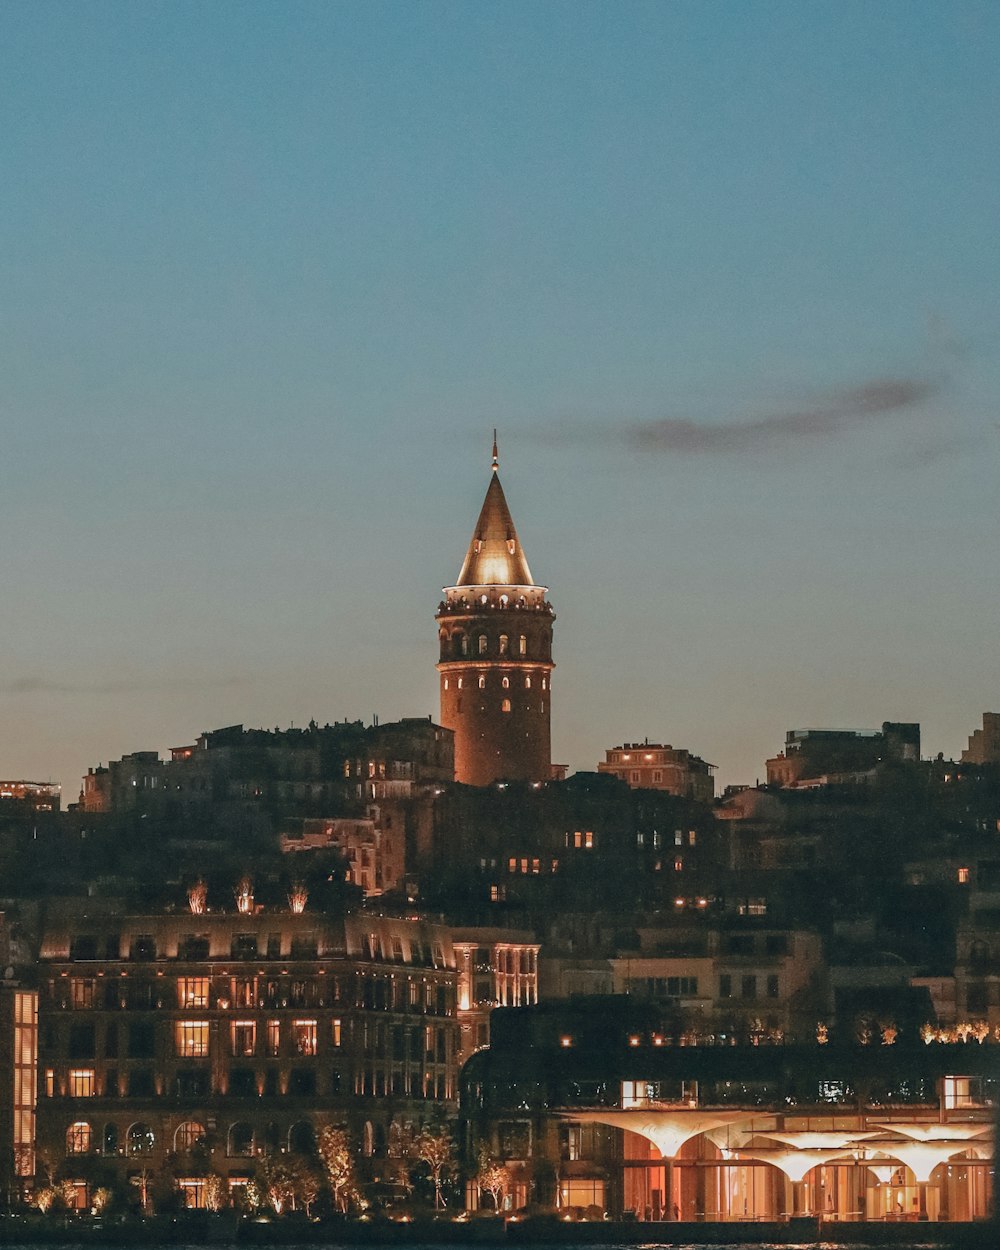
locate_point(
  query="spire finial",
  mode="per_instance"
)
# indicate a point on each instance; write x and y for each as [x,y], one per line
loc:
[496,459]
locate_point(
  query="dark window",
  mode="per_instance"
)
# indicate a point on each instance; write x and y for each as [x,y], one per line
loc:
[274,946]
[242,1083]
[83,946]
[111,1041]
[776,943]
[725,985]
[111,1083]
[140,1040]
[82,1043]
[191,1083]
[113,946]
[514,1137]
[739,944]
[111,1139]
[193,946]
[143,947]
[772,986]
[302,1082]
[305,946]
[748,988]
[244,946]
[140,1083]
[271,1082]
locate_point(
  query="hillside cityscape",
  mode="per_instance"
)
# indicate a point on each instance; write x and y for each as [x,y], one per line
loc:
[372,970]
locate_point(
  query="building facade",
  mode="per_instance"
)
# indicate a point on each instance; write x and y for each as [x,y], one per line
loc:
[495,655]
[496,968]
[651,766]
[984,744]
[596,1109]
[203,1041]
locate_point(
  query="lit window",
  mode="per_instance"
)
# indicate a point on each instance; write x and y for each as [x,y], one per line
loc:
[504,644]
[337,1036]
[505,705]
[692,837]
[588,840]
[566,1041]
[81,991]
[545,685]
[460,683]
[304,1036]
[963,876]
[191,1038]
[678,865]
[505,682]
[188,1135]
[446,683]
[78,1138]
[244,1036]
[481,644]
[527,683]
[81,1083]
[522,645]
[482,682]
[192,991]
[273,1037]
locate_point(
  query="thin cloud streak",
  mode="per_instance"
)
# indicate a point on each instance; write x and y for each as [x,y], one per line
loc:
[42,685]
[842,411]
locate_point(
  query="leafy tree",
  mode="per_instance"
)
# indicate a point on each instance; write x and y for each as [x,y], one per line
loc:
[436,1148]
[216,1192]
[334,1149]
[492,1178]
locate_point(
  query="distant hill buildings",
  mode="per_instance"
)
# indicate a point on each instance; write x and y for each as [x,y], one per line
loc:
[656,1005]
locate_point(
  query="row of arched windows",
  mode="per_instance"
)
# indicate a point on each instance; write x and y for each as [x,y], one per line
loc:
[483,679]
[462,646]
[242,1140]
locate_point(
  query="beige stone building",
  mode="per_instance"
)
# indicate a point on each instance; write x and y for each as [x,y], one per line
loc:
[984,744]
[652,766]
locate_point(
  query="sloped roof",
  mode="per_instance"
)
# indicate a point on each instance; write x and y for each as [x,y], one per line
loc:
[495,556]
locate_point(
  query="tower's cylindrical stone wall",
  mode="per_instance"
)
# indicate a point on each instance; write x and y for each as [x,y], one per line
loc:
[495,671]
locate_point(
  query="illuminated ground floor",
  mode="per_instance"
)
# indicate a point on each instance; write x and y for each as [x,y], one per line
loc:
[655,1164]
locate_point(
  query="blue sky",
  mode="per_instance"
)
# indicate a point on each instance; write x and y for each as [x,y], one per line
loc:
[724,275]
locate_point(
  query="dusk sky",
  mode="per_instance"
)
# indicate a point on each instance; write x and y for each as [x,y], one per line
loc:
[725,275]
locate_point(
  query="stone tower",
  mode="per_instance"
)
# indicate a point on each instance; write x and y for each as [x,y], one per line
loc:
[495,633]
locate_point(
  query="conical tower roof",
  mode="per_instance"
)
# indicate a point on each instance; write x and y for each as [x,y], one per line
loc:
[495,556]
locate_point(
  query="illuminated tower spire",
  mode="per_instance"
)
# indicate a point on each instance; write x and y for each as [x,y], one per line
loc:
[495,634]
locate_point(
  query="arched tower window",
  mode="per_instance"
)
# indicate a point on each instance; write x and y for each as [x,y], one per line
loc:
[482,644]
[464,647]
[522,645]
[504,644]
[505,705]
[505,683]
[527,683]
[482,682]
